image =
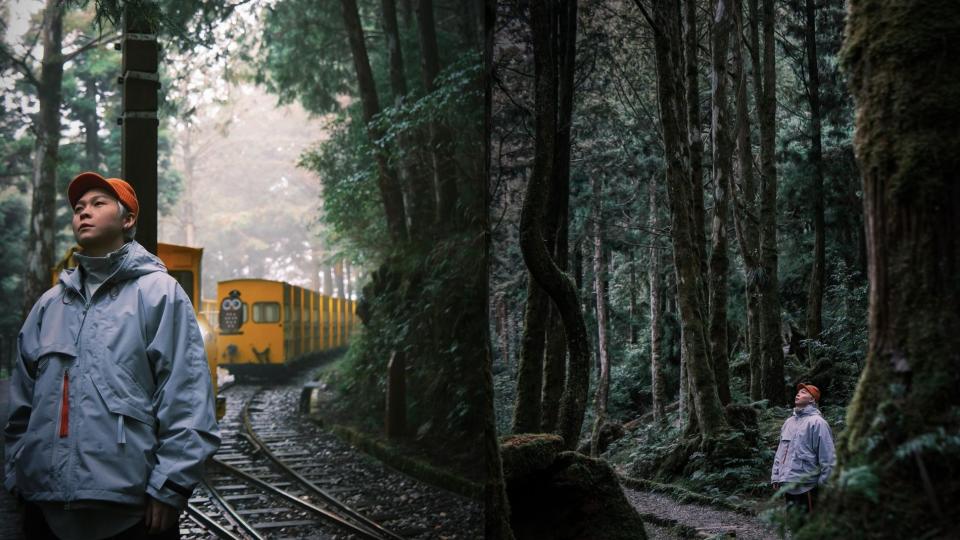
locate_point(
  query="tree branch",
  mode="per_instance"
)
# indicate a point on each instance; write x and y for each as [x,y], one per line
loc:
[89,45]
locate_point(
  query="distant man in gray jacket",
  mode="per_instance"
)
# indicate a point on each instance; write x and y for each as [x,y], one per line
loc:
[111,406]
[806,454]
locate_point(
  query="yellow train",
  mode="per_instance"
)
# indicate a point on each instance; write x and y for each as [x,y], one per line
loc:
[266,325]
[183,263]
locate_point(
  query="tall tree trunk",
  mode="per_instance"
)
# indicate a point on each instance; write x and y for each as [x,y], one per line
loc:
[657,377]
[91,126]
[722,165]
[390,192]
[815,291]
[328,280]
[421,197]
[633,329]
[599,276]
[496,515]
[903,416]
[772,353]
[558,285]
[555,362]
[43,210]
[528,408]
[687,261]
[440,135]
[744,208]
[691,41]
[338,276]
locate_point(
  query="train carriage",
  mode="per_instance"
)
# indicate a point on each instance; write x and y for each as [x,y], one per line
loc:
[265,325]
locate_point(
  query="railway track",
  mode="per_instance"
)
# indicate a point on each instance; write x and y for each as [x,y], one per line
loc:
[261,486]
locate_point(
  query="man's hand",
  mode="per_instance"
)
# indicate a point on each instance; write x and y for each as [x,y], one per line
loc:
[776,486]
[160,516]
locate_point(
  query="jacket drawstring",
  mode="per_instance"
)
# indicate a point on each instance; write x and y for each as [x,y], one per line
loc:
[121,436]
[65,407]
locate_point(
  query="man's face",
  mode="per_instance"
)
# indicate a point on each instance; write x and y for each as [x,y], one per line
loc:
[97,225]
[802,399]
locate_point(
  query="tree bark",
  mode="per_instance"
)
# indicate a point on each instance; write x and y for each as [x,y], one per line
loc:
[687,261]
[554,376]
[744,207]
[496,515]
[771,352]
[91,125]
[658,389]
[528,409]
[558,285]
[440,135]
[904,410]
[390,192]
[722,165]
[43,210]
[694,138]
[599,271]
[421,197]
[815,291]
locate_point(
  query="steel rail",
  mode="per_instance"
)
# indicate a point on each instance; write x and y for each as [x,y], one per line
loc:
[253,438]
[337,519]
[202,519]
[230,510]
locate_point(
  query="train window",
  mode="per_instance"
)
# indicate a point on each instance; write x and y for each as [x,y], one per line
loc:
[266,312]
[185,279]
[286,313]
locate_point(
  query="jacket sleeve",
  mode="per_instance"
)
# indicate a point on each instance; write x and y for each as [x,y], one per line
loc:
[775,471]
[826,454]
[21,393]
[183,402]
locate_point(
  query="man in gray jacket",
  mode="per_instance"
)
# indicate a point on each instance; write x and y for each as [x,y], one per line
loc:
[111,406]
[806,454]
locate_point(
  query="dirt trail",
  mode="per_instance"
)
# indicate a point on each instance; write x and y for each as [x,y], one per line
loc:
[666,518]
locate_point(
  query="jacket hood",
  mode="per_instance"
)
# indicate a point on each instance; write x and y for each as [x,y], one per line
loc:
[137,261]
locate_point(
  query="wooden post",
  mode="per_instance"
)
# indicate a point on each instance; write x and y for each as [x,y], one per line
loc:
[396,397]
[139,121]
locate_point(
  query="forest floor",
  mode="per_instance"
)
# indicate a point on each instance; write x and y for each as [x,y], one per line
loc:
[666,518]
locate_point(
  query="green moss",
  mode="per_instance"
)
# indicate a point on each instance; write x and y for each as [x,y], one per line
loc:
[528,453]
[573,498]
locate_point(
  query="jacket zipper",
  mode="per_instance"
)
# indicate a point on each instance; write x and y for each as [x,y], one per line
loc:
[65,407]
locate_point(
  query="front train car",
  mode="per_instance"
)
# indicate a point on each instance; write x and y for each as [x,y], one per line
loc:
[265,326]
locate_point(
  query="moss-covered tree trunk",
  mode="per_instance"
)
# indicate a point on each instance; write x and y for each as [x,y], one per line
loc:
[440,134]
[555,361]
[528,404]
[390,192]
[536,255]
[899,453]
[687,260]
[599,277]
[43,209]
[657,377]
[815,156]
[691,103]
[416,179]
[743,196]
[722,165]
[496,514]
[770,342]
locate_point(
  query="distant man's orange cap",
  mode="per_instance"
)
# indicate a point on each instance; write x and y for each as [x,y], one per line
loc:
[813,390]
[120,189]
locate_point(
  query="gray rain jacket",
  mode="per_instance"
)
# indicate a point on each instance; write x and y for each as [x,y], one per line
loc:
[111,397]
[806,455]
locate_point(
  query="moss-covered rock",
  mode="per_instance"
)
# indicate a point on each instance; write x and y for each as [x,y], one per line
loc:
[528,453]
[571,497]
[609,432]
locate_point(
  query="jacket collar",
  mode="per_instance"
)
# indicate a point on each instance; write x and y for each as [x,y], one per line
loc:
[137,261]
[806,411]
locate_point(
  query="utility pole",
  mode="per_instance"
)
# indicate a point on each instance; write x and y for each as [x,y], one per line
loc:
[139,88]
